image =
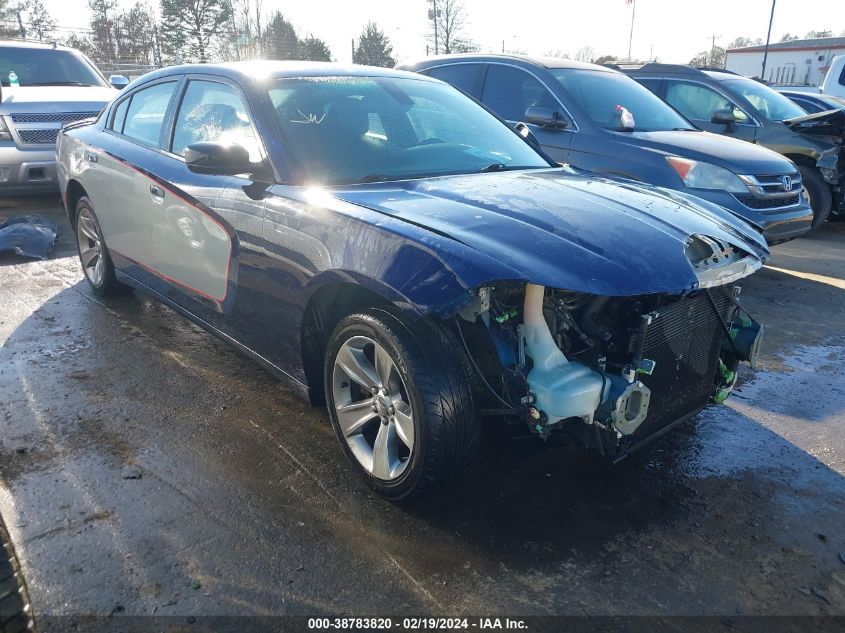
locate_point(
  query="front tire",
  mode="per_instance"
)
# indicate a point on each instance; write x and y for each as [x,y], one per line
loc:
[400,402]
[819,194]
[93,254]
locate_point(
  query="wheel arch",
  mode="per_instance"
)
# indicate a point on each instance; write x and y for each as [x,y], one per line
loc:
[75,191]
[801,159]
[329,304]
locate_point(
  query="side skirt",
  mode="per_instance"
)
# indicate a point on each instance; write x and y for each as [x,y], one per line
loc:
[301,389]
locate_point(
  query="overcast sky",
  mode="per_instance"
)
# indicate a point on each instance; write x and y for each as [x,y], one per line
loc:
[674,30]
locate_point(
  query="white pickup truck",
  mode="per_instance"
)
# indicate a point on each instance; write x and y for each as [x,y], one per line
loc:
[41,88]
[834,80]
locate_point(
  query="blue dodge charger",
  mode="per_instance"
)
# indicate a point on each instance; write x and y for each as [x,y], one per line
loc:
[392,249]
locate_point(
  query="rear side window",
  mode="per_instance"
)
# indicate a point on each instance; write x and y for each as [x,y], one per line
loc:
[463,76]
[119,115]
[145,114]
[509,92]
[651,83]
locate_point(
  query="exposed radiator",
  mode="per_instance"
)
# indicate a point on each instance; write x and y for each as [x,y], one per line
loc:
[684,341]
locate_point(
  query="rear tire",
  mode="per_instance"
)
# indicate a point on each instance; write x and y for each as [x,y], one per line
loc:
[425,379]
[93,254]
[819,193]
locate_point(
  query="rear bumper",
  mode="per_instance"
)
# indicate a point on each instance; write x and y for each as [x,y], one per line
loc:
[776,225]
[27,171]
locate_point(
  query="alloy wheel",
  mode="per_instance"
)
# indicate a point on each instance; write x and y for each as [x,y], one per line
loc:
[90,247]
[373,408]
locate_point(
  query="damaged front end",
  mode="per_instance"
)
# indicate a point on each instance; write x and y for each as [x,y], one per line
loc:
[612,373]
[827,126]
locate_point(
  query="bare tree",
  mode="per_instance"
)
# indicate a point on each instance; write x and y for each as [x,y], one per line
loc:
[449,26]
[585,54]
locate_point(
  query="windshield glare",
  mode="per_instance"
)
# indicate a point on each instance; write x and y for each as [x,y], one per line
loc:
[770,103]
[47,67]
[599,92]
[350,129]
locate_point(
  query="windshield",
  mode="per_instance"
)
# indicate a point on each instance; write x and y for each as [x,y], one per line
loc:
[599,92]
[770,103]
[46,67]
[356,129]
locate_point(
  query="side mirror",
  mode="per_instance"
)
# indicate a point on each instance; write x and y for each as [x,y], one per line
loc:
[222,159]
[118,81]
[545,117]
[724,117]
[525,132]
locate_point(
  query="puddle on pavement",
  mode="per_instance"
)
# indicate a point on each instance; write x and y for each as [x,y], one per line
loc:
[805,400]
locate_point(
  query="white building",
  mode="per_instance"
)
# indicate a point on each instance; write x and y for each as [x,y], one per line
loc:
[797,62]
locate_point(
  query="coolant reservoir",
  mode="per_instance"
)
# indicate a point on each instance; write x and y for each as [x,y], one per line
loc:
[563,389]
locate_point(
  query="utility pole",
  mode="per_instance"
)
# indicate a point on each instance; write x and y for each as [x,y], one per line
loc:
[432,15]
[768,37]
[713,39]
[633,4]
[353,50]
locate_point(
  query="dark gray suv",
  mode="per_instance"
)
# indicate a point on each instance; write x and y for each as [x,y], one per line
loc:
[723,102]
[600,120]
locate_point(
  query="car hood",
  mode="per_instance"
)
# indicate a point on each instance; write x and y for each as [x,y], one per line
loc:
[560,229]
[55,99]
[827,124]
[738,156]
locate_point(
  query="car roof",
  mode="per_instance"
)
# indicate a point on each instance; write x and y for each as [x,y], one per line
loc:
[261,70]
[661,69]
[720,75]
[27,44]
[545,62]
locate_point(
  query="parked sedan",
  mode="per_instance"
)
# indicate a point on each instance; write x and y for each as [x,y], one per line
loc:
[389,247]
[596,118]
[814,102]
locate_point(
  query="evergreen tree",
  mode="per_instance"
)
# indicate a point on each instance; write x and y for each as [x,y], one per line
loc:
[314,49]
[280,40]
[374,48]
[190,29]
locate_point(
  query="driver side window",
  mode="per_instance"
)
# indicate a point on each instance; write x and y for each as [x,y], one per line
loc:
[213,111]
[698,102]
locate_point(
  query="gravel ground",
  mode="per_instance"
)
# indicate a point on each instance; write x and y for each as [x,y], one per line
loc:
[148,469]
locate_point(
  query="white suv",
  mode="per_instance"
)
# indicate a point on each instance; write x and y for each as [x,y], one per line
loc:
[42,87]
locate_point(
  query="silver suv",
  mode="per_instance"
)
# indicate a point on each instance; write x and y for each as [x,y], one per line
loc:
[43,86]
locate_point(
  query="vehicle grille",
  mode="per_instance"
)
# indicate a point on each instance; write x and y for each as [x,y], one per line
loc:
[32,137]
[684,342]
[774,184]
[768,203]
[51,117]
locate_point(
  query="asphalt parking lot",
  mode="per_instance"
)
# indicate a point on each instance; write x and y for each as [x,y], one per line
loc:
[148,469]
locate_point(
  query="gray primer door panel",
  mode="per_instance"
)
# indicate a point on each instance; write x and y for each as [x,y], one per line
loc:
[188,246]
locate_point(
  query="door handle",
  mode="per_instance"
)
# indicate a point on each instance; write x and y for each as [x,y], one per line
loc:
[157,191]
[92,158]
